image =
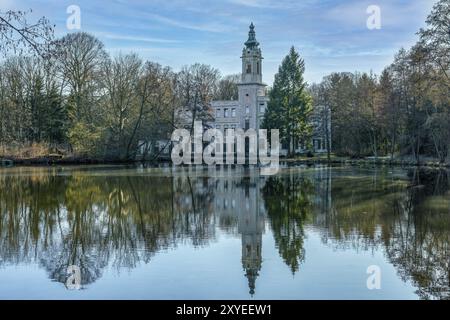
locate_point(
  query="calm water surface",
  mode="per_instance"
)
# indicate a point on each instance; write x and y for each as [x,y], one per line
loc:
[163,233]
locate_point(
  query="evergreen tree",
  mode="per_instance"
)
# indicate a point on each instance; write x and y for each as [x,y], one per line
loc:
[55,114]
[290,104]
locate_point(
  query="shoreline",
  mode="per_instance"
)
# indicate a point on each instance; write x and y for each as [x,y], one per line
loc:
[48,161]
[377,162]
[52,161]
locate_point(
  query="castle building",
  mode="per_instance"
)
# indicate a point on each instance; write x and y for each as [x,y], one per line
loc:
[248,111]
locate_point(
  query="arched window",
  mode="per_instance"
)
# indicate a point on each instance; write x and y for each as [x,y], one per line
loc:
[249,68]
[258,69]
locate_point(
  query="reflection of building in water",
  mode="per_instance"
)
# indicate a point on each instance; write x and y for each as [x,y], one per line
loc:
[240,200]
[251,227]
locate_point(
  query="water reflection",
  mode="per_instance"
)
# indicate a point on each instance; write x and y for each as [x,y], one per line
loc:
[122,217]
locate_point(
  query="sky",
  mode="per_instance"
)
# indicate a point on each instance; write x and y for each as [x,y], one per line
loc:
[331,35]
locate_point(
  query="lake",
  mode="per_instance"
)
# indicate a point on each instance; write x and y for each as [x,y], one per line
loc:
[225,233]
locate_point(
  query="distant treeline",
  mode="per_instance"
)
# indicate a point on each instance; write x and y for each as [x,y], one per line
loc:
[405,110]
[81,100]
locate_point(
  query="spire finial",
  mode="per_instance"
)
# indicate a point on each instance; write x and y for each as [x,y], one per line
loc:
[251,42]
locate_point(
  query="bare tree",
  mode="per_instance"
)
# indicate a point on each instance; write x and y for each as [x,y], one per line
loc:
[81,56]
[436,37]
[322,114]
[120,77]
[227,88]
[17,35]
[156,104]
[196,87]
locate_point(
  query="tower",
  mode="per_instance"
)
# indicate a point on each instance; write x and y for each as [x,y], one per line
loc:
[251,89]
[252,59]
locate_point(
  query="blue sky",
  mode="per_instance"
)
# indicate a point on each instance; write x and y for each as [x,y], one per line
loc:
[331,35]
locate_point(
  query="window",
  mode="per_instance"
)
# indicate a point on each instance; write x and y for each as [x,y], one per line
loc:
[249,68]
[233,112]
[233,126]
[247,109]
[225,113]
[225,127]
[218,149]
[257,68]
[218,113]
[262,107]
[247,124]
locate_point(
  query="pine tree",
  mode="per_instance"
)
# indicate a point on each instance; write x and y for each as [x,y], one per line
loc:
[290,104]
[56,118]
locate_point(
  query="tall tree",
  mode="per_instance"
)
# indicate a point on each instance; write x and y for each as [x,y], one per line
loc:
[390,119]
[290,103]
[120,77]
[157,102]
[436,37]
[367,103]
[81,56]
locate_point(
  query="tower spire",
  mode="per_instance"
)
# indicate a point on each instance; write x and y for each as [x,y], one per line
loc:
[251,42]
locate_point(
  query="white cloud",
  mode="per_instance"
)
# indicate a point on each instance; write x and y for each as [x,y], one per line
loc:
[115,36]
[209,27]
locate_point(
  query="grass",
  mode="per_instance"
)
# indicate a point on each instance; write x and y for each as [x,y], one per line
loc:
[29,151]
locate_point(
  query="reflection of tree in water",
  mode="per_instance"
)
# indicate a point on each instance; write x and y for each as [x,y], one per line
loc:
[360,204]
[419,245]
[193,202]
[288,204]
[89,221]
[411,220]
[428,182]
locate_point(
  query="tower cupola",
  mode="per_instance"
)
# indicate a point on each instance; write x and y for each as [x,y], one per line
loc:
[251,42]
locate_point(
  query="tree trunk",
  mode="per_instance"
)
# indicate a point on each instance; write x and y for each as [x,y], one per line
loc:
[291,147]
